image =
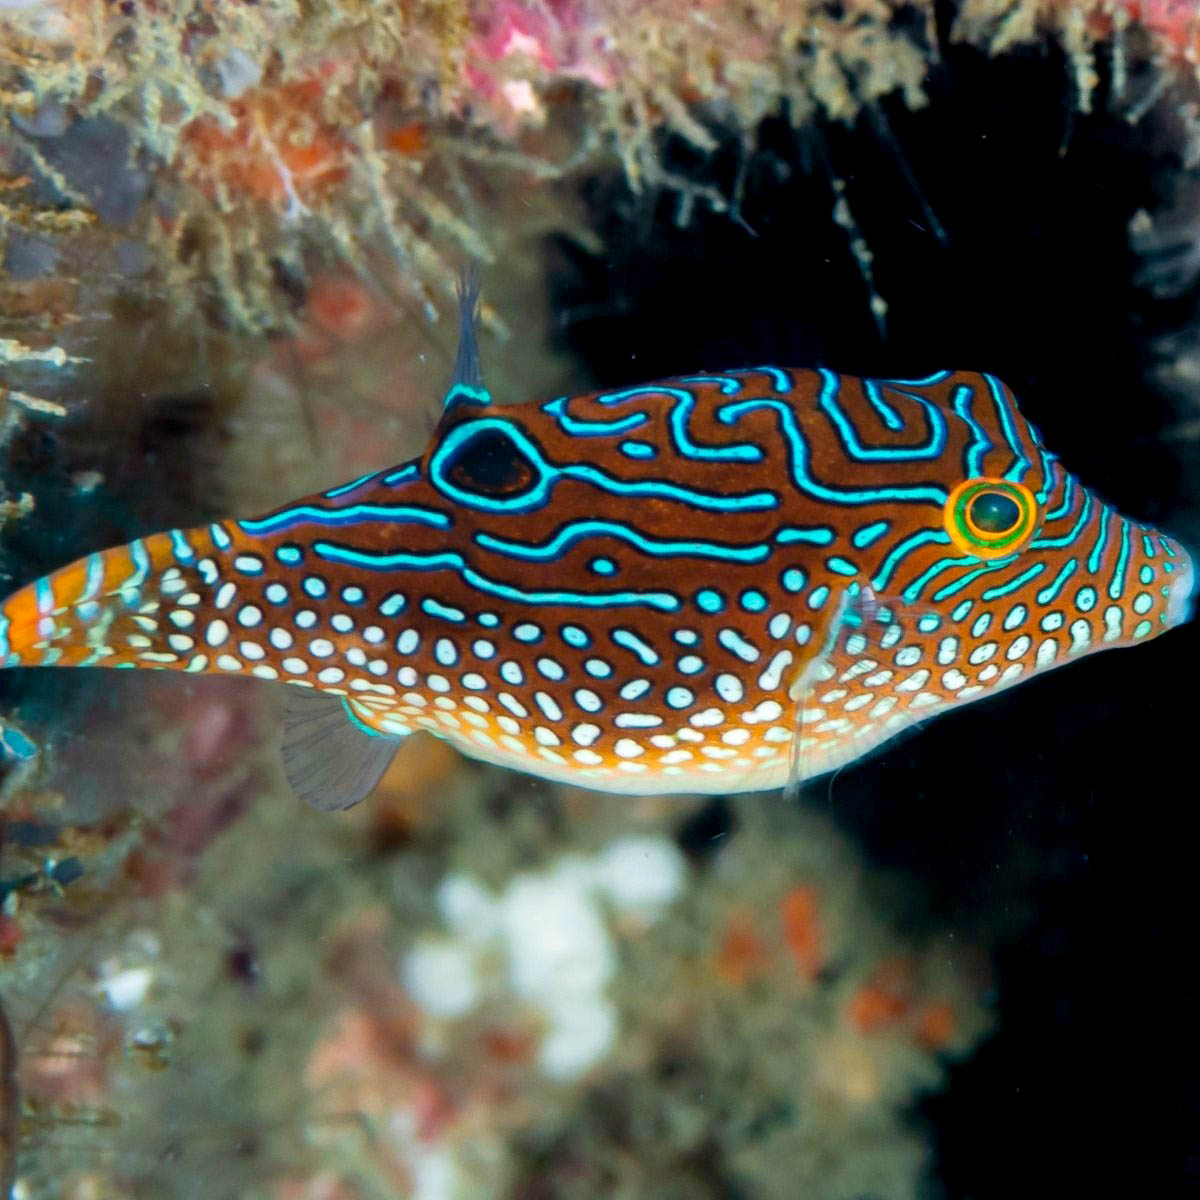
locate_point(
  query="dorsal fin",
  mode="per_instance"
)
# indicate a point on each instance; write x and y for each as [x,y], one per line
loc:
[331,761]
[467,386]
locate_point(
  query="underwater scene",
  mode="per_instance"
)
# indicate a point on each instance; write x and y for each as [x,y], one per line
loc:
[590,528]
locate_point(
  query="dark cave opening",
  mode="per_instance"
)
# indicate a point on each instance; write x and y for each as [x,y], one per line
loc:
[1042,822]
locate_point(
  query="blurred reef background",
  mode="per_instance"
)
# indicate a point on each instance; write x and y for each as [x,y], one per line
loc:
[230,236]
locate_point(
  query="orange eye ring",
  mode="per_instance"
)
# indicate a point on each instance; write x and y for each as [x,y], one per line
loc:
[991,518]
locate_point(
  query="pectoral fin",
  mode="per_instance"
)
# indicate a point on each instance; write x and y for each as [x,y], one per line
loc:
[859,640]
[331,761]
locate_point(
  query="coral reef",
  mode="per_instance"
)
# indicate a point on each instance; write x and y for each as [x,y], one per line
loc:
[501,1001]
[258,138]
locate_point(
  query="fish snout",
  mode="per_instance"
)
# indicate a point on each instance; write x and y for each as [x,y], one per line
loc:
[1181,597]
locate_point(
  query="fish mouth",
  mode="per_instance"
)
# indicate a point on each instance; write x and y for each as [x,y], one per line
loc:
[1181,602]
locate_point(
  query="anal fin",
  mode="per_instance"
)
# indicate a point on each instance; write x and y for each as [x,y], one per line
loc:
[331,761]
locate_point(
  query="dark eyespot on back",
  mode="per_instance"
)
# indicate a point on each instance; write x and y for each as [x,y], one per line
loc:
[994,512]
[491,463]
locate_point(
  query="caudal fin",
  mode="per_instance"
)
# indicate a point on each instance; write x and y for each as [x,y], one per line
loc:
[108,609]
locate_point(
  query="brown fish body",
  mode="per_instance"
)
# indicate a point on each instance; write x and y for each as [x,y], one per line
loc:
[688,585]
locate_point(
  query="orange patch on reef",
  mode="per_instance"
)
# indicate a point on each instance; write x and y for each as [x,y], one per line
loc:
[872,1009]
[340,306]
[889,1001]
[10,936]
[799,911]
[741,955]
[409,139]
[509,1045]
[281,149]
[884,1001]
[935,1025]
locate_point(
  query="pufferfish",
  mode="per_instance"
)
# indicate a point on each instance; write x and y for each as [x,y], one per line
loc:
[712,583]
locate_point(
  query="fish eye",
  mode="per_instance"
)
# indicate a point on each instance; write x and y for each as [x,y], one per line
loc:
[491,463]
[991,518]
[994,512]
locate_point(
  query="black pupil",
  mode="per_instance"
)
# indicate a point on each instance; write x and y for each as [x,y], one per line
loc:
[491,462]
[994,512]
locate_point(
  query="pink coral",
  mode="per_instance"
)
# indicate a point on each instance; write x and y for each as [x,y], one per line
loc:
[1176,22]
[517,46]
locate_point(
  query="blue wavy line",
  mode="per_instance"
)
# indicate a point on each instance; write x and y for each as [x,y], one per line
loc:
[1085,514]
[1006,413]
[901,551]
[964,398]
[1013,584]
[781,380]
[580,428]
[1101,540]
[351,515]
[867,535]
[925,381]
[1049,593]
[853,445]
[549,473]
[334,493]
[728,384]
[568,535]
[1064,506]
[1048,474]
[681,411]
[889,416]
[1117,587]
[801,476]
[952,589]
[914,589]
[453,561]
